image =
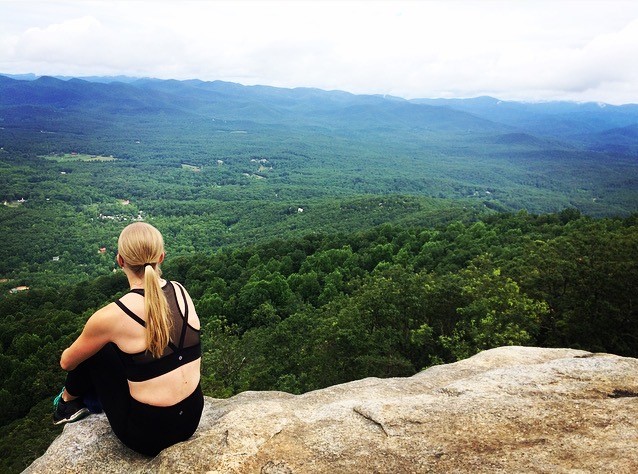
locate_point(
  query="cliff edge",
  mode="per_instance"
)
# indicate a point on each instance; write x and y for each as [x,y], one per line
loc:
[511,409]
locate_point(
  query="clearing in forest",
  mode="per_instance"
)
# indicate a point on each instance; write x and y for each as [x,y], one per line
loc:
[66,157]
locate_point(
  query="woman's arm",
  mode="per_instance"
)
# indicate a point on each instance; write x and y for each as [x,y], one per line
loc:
[96,333]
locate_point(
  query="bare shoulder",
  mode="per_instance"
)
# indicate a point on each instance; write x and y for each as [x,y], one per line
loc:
[133,301]
[105,316]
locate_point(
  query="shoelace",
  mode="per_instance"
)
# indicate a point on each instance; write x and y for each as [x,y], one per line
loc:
[58,398]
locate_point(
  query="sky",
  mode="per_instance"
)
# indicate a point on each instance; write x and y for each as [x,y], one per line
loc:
[513,50]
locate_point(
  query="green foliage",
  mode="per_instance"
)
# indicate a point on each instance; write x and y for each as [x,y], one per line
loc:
[393,300]
[363,238]
[23,440]
[308,312]
[497,313]
[292,172]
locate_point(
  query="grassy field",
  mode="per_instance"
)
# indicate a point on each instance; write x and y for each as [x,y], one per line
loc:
[66,157]
[191,167]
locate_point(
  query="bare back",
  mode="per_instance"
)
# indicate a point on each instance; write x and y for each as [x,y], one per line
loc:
[130,337]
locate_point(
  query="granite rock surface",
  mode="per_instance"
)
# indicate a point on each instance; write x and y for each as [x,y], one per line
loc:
[506,410]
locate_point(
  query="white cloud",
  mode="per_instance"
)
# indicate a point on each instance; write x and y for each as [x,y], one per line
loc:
[579,50]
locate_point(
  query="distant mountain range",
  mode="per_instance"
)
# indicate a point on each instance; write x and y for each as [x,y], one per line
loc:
[592,126]
[597,126]
[510,155]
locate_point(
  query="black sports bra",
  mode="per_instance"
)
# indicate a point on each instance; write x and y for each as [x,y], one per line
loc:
[183,347]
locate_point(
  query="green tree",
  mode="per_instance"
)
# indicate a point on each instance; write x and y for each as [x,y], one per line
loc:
[497,313]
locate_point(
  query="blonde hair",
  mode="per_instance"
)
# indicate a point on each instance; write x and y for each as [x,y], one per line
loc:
[141,246]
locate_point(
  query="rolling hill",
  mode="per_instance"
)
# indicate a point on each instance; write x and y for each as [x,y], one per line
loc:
[230,149]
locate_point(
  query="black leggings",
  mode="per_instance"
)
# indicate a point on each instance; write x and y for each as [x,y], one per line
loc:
[144,428]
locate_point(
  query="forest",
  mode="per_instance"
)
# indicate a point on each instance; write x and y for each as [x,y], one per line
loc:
[324,237]
[304,313]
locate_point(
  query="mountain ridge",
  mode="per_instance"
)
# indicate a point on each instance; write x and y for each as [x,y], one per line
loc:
[230,101]
[132,79]
[541,158]
[587,125]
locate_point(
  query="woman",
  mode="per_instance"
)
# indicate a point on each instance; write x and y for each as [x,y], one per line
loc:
[140,355]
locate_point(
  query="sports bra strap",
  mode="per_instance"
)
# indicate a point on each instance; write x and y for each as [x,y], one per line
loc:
[139,320]
[184,345]
[130,313]
[184,315]
[181,289]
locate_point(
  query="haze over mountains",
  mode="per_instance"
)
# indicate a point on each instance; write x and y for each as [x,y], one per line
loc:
[229,101]
[596,126]
[435,147]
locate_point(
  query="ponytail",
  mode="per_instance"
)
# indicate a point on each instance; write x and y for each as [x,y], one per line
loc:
[158,323]
[141,246]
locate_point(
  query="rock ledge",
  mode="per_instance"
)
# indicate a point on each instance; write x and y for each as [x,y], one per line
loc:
[511,409]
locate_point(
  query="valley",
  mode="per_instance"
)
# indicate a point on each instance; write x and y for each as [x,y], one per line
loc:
[324,237]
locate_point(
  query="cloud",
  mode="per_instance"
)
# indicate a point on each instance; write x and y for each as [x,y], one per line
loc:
[520,50]
[61,42]
[86,44]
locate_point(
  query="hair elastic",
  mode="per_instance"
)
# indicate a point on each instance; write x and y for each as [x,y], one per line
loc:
[148,265]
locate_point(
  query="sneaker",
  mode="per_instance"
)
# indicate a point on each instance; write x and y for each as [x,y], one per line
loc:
[68,412]
[92,402]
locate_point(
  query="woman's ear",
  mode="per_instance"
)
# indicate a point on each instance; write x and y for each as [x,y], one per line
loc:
[120,260]
[161,258]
